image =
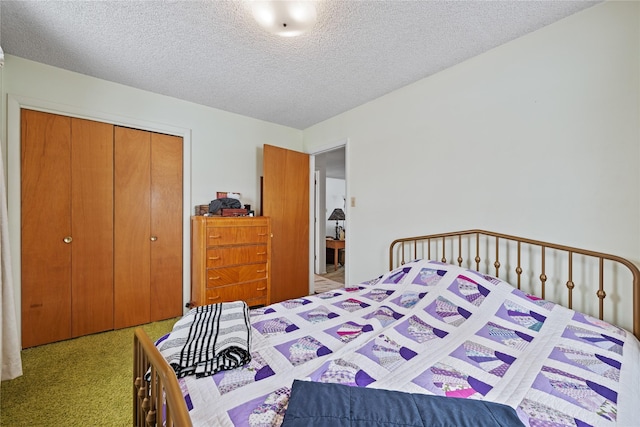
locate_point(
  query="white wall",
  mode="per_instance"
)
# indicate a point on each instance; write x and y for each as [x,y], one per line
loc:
[538,138]
[223,151]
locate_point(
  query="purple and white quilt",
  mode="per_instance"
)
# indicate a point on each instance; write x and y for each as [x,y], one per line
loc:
[432,328]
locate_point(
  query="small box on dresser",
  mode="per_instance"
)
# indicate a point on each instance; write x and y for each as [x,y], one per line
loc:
[230,260]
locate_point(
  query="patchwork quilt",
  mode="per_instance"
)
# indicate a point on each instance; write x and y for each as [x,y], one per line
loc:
[437,329]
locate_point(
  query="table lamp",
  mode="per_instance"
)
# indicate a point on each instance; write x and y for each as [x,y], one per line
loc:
[337,215]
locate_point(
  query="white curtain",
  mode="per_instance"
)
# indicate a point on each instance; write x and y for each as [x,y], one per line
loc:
[9,340]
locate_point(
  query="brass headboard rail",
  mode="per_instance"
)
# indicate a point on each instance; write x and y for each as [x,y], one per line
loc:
[159,401]
[407,249]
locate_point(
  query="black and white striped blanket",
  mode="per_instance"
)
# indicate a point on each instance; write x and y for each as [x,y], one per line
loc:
[209,339]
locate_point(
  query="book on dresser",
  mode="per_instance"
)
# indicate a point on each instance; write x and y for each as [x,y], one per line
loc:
[230,260]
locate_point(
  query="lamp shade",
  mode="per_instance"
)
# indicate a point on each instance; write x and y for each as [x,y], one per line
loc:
[337,215]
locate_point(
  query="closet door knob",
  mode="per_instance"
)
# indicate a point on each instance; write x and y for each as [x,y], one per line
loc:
[67,239]
[154,238]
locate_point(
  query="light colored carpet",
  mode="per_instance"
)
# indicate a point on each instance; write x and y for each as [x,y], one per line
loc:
[322,284]
[335,275]
[331,280]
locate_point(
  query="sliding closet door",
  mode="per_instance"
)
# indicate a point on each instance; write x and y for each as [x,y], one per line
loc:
[92,224]
[166,226]
[46,199]
[132,236]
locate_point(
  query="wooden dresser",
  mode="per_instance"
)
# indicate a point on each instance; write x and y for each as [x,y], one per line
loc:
[230,260]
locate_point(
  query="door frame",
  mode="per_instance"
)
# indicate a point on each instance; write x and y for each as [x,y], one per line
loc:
[315,225]
[317,254]
[17,102]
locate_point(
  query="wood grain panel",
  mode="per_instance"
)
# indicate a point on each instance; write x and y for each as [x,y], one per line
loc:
[166,226]
[243,291]
[132,227]
[228,256]
[230,275]
[236,235]
[240,221]
[92,222]
[45,199]
[286,201]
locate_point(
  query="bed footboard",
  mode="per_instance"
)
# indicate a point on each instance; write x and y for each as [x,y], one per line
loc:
[159,401]
[601,285]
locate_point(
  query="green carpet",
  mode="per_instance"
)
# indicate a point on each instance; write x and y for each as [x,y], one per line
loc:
[84,381]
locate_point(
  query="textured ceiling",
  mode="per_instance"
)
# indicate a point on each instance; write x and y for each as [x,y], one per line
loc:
[213,53]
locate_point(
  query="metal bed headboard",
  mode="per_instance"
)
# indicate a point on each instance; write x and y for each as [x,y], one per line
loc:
[468,243]
[157,402]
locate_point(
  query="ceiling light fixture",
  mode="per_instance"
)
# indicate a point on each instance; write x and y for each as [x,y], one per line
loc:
[286,18]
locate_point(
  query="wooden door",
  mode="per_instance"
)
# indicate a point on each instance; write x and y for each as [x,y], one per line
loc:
[92,227]
[131,227]
[285,200]
[45,202]
[166,226]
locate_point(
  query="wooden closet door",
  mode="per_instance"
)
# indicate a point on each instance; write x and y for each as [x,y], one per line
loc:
[166,226]
[92,226]
[132,227]
[45,201]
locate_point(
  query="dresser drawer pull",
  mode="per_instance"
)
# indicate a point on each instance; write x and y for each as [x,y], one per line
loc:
[214,278]
[213,298]
[262,253]
[261,289]
[260,271]
[214,258]
[217,236]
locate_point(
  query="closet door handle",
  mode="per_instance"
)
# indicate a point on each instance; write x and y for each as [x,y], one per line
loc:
[68,239]
[154,238]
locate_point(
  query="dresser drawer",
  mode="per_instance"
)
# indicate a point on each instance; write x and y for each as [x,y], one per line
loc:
[230,275]
[223,257]
[236,235]
[244,291]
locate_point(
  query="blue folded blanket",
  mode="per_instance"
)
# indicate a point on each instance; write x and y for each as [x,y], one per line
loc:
[314,404]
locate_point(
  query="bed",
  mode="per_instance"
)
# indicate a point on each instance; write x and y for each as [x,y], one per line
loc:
[465,315]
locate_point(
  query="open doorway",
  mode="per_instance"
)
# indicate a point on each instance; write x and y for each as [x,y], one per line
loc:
[330,200]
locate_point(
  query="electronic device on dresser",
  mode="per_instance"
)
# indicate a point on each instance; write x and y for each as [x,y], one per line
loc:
[230,260]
